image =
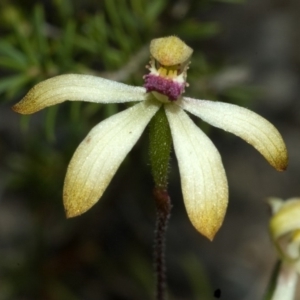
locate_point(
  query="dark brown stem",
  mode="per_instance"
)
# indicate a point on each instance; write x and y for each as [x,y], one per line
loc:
[163,211]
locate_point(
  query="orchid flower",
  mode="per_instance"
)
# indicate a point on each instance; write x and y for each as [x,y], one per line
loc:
[96,160]
[285,234]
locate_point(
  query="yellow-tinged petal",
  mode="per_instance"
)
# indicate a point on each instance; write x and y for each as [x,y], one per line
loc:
[251,127]
[286,219]
[75,87]
[285,232]
[100,154]
[203,179]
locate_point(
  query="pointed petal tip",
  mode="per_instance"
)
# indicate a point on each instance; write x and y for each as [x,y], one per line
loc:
[69,215]
[76,203]
[15,108]
[19,108]
[282,164]
[72,210]
[208,224]
[281,169]
[209,230]
[77,197]
[278,157]
[29,104]
[72,214]
[210,237]
[33,101]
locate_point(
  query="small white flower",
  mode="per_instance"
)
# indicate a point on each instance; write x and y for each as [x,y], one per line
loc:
[285,234]
[203,179]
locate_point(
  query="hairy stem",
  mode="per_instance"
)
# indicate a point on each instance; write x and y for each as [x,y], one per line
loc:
[160,148]
[163,210]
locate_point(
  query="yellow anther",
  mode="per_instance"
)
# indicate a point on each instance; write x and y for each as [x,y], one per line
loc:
[162,72]
[172,73]
[167,72]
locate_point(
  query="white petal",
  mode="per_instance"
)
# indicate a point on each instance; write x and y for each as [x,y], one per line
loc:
[100,154]
[251,127]
[286,219]
[286,282]
[75,87]
[203,179]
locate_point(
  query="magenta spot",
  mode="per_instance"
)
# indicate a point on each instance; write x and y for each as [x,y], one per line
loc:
[164,86]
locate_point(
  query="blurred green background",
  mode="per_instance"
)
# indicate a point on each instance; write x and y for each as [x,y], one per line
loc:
[244,52]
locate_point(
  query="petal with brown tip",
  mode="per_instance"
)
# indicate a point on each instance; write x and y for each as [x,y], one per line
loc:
[249,126]
[100,154]
[74,87]
[203,179]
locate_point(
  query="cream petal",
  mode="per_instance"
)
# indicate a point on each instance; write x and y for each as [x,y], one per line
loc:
[286,283]
[100,154]
[75,87]
[203,179]
[251,127]
[286,219]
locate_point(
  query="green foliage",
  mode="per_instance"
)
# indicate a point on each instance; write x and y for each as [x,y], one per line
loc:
[197,277]
[231,1]
[34,49]
[198,30]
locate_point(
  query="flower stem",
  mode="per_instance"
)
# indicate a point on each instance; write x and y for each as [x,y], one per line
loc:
[283,282]
[163,210]
[160,148]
